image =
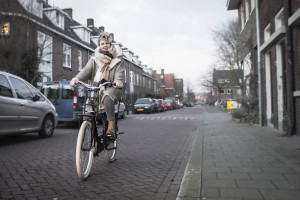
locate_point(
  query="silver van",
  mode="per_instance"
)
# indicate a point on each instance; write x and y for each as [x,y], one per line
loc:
[23,108]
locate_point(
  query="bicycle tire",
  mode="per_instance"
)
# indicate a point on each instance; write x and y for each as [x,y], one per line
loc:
[84,150]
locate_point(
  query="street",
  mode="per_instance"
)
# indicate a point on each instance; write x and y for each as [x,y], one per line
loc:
[151,160]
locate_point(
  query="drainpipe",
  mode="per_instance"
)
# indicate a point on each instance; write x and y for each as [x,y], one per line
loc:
[290,67]
[258,64]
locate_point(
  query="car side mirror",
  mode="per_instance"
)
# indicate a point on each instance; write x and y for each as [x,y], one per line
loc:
[36,97]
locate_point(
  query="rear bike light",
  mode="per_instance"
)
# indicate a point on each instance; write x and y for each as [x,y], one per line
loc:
[74,99]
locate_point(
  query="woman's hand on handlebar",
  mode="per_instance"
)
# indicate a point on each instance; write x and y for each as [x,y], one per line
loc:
[73,83]
[118,84]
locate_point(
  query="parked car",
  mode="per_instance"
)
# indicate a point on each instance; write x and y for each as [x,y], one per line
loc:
[157,105]
[67,100]
[173,101]
[223,103]
[177,104]
[181,104]
[122,110]
[143,105]
[169,104]
[163,104]
[23,108]
[189,104]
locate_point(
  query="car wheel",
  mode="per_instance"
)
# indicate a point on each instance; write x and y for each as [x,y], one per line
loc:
[47,127]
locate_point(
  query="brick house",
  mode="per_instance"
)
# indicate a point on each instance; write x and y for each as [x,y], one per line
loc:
[226,84]
[62,44]
[279,49]
[169,86]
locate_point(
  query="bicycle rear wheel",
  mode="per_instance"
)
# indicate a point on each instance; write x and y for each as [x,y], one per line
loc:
[110,149]
[84,150]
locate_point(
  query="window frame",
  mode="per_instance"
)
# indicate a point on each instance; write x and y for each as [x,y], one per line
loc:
[267,32]
[79,60]
[3,29]
[278,20]
[67,53]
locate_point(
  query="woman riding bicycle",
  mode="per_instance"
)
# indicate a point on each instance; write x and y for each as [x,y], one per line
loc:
[105,65]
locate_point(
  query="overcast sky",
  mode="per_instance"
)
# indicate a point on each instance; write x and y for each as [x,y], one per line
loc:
[175,35]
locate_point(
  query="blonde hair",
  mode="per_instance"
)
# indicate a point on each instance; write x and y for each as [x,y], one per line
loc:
[105,36]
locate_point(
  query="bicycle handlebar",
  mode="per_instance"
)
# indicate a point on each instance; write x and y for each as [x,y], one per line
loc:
[110,84]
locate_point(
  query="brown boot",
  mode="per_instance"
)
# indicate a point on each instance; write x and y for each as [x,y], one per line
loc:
[111,128]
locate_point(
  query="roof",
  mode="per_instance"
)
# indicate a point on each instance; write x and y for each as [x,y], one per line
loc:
[233,4]
[232,75]
[45,22]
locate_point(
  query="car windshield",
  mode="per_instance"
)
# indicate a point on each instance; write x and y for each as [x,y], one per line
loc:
[142,101]
[167,101]
[50,91]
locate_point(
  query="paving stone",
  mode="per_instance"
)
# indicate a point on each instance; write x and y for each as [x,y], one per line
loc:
[240,193]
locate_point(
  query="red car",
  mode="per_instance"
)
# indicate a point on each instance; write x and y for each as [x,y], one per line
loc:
[164,106]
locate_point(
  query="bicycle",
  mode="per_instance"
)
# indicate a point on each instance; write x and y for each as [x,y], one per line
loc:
[90,141]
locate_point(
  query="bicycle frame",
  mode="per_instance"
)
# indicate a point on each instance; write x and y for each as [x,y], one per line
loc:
[88,134]
[92,100]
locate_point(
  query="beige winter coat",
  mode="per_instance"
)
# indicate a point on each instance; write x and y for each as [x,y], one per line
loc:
[114,72]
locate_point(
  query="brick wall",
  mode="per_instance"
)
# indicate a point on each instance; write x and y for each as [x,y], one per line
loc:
[267,11]
[296,53]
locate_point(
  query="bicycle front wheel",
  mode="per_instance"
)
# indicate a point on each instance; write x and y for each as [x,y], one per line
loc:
[84,150]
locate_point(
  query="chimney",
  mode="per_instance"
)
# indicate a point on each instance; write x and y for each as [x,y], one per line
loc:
[162,72]
[127,53]
[101,28]
[118,47]
[69,11]
[135,59]
[90,22]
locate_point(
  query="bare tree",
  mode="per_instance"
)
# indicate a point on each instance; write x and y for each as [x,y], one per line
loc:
[231,44]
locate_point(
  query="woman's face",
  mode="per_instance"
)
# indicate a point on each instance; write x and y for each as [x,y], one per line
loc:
[104,45]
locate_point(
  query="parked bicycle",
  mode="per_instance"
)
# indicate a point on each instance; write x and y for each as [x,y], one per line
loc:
[91,141]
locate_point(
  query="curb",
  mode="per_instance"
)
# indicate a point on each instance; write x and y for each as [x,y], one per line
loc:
[191,182]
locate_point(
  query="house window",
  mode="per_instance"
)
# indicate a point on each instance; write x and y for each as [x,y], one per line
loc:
[137,79]
[279,19]
[45,43]
[222,91]
[131,77]
[79,60]
[221,81]
[229,91]
[267,32]
[5,29]
[67,55]
[144,82]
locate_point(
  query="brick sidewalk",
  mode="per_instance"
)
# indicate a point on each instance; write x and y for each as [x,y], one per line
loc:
[231,160]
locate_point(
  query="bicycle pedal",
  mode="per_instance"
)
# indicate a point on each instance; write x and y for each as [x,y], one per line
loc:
[121,133]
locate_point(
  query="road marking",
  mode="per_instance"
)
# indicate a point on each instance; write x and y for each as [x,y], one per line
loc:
[165,118]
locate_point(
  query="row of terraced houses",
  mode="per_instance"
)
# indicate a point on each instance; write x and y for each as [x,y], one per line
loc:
[64,47]
[272,55]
